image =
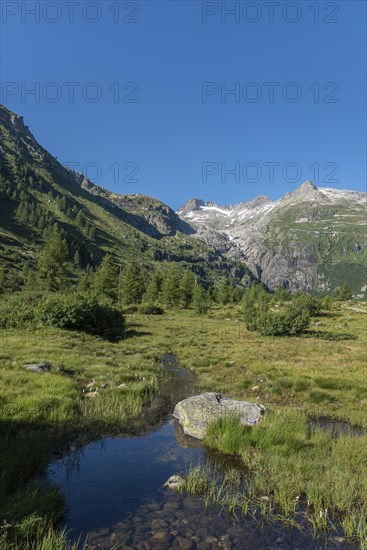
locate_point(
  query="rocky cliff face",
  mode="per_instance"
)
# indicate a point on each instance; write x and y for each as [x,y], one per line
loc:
[312,239]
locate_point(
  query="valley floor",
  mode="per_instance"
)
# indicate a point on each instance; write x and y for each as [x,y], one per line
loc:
[97,387]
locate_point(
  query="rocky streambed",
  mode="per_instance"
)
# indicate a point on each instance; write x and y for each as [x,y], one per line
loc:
[114,489]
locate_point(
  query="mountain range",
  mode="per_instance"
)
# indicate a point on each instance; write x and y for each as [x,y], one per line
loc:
[312,239]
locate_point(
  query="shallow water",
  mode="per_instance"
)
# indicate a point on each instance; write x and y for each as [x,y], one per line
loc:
[335,427]
[114,489]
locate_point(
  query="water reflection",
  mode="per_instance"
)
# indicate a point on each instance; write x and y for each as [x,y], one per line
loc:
[114,489]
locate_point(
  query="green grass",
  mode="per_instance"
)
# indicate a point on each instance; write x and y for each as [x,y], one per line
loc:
[295,472]
[40,413]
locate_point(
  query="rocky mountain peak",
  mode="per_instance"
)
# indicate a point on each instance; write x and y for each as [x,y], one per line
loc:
[306,186]
[305,193]
[190,205]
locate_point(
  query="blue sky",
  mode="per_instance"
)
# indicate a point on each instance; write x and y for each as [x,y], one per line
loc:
[173,132]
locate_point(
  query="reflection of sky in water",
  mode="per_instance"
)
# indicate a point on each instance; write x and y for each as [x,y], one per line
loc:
[112,478]
[105,480]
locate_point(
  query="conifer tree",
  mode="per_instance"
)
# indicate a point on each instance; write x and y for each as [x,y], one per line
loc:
[153,290]
[131,284]
[21,213]
[255,301]
[105,280]
[344,293]
[222,292]
[86,279]
[200,300]
[53,262]
[186,288]
[170,293]
[80,219]
[235,294]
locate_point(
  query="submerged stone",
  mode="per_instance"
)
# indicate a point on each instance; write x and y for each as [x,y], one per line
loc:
[174,483]
[195,413]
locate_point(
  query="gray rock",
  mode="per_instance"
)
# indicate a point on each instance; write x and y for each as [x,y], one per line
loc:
[37,367]
[174,483]
[195,413]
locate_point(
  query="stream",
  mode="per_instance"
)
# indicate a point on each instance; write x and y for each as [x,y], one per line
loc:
[113,489]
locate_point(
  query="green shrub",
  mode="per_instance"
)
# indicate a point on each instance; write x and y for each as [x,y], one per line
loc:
[310,303]
[78,311]
[74,311]
[289,322]
[18,309]
[255,302]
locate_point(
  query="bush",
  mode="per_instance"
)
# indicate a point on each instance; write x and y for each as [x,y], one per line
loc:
[18,309]
[151,310]
[289,321]
[74,311]
[292,321]
[79,311]
[255,303]
[309,303]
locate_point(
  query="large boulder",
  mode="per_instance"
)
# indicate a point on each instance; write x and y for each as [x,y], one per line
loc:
[195,413]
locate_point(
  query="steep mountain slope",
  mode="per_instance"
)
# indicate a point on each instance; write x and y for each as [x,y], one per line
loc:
[36,192]
[313,238]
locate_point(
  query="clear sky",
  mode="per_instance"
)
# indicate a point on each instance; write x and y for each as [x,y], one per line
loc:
[149,109]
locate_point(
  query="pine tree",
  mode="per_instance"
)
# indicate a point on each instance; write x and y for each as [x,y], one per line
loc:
[131,284]
[235,294]
[80,219]
[63,205]
[86,279]
[21,213]
[186,288]
[255,301]
[170,293]
[152,293]
[105,280]
[53,262]
[344,293]
[222,292]
[200,300]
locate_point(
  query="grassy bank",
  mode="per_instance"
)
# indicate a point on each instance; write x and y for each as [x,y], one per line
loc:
[294,472]
[96,387]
